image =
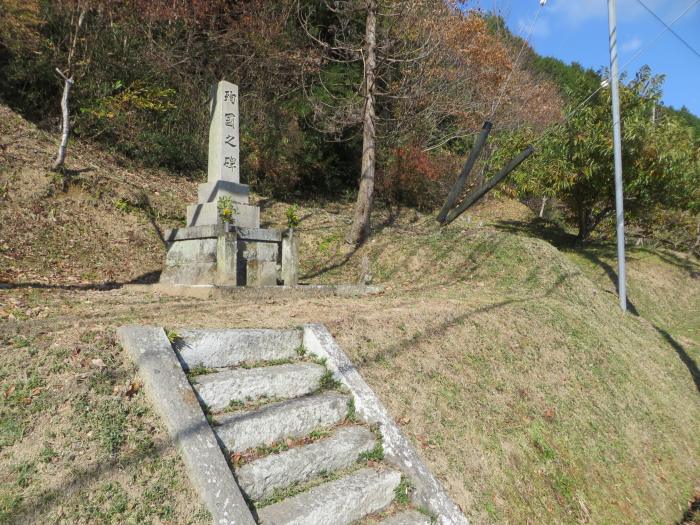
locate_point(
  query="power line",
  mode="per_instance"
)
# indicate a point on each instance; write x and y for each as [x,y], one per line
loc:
[661,33]
[679,37]
[634,57]
[517,60]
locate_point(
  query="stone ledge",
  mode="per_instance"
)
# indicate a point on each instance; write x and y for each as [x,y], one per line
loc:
[261,477]
[222,347]
[338,502]
[206,214]
[209,291]
[259,234]
[169,391]
[210,191]
[212,231]
[397,449]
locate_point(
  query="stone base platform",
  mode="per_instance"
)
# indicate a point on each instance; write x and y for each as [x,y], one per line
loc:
[230,255]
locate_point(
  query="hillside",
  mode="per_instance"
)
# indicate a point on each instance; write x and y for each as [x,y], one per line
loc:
[504,357]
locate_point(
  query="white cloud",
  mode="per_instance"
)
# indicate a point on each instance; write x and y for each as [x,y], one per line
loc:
[579,11]
[631,45]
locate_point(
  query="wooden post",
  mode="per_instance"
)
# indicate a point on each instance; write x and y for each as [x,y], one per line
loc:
[468,166]
[483,190]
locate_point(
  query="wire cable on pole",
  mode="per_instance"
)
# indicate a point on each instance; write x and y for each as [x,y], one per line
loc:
[679,37]
[607,79]
[502,91]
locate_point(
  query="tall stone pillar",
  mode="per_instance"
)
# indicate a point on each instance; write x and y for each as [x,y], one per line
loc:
[207,251]
[223,173]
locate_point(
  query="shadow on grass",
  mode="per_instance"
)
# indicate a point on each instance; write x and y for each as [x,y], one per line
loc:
[561,239]
[688,361]
[692,515]
[330,267]
[593,257]
[151,214]
[394,214]
[428,334]
[549,231]
[146,278]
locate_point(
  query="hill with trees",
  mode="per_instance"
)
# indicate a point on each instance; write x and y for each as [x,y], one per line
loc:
[310,125]
[497,342]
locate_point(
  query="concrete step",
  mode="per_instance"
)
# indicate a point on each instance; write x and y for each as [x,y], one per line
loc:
[293,418]
[339,502]
[226,347]
[259,478]
[408,517]
[217,390]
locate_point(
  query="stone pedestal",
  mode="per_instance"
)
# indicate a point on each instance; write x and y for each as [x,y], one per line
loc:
[228,255]
[237,252]
[290,258]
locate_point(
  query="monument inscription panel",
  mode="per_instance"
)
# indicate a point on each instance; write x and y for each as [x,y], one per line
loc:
[223,133]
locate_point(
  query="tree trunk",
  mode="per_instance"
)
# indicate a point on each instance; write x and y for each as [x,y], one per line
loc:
[544,205]
[61,156]
[68,84]
[363,207]
[583,217]
[588,220]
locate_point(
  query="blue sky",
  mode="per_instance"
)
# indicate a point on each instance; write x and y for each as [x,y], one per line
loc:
[577,30]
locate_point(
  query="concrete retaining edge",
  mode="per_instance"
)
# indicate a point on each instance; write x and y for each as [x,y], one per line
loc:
[397,449]
[262,292]
[169,391]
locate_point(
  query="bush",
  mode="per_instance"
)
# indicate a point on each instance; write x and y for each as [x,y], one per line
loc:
[675,229]
[416,178]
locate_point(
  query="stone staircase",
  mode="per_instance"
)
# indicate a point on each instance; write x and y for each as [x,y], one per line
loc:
[299,453]
[300,449]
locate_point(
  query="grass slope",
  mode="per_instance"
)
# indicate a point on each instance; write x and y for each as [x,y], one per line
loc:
[505,359]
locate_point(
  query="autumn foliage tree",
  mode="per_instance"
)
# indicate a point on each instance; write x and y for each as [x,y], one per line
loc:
[410,75]
[319,114]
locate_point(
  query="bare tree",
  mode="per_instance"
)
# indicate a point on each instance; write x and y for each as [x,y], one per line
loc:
[371,34]
[68,80]
[363,207]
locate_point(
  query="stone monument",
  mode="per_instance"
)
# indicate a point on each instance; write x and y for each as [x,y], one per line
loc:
[227,249]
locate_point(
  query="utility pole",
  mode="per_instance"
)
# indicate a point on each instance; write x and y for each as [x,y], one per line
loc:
[617,140]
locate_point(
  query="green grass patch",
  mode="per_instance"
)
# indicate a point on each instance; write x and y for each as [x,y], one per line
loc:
[351,415]
[328,382]
[376,454]
[199,370]
[107,419]
[260,364]
[402,492]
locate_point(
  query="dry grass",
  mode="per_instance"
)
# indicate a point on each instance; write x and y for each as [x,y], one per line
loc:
[96,222]
[507,361]
[78,442]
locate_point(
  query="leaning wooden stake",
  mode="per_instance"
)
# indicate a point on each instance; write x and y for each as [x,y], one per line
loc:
[462,179]
[483,190]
